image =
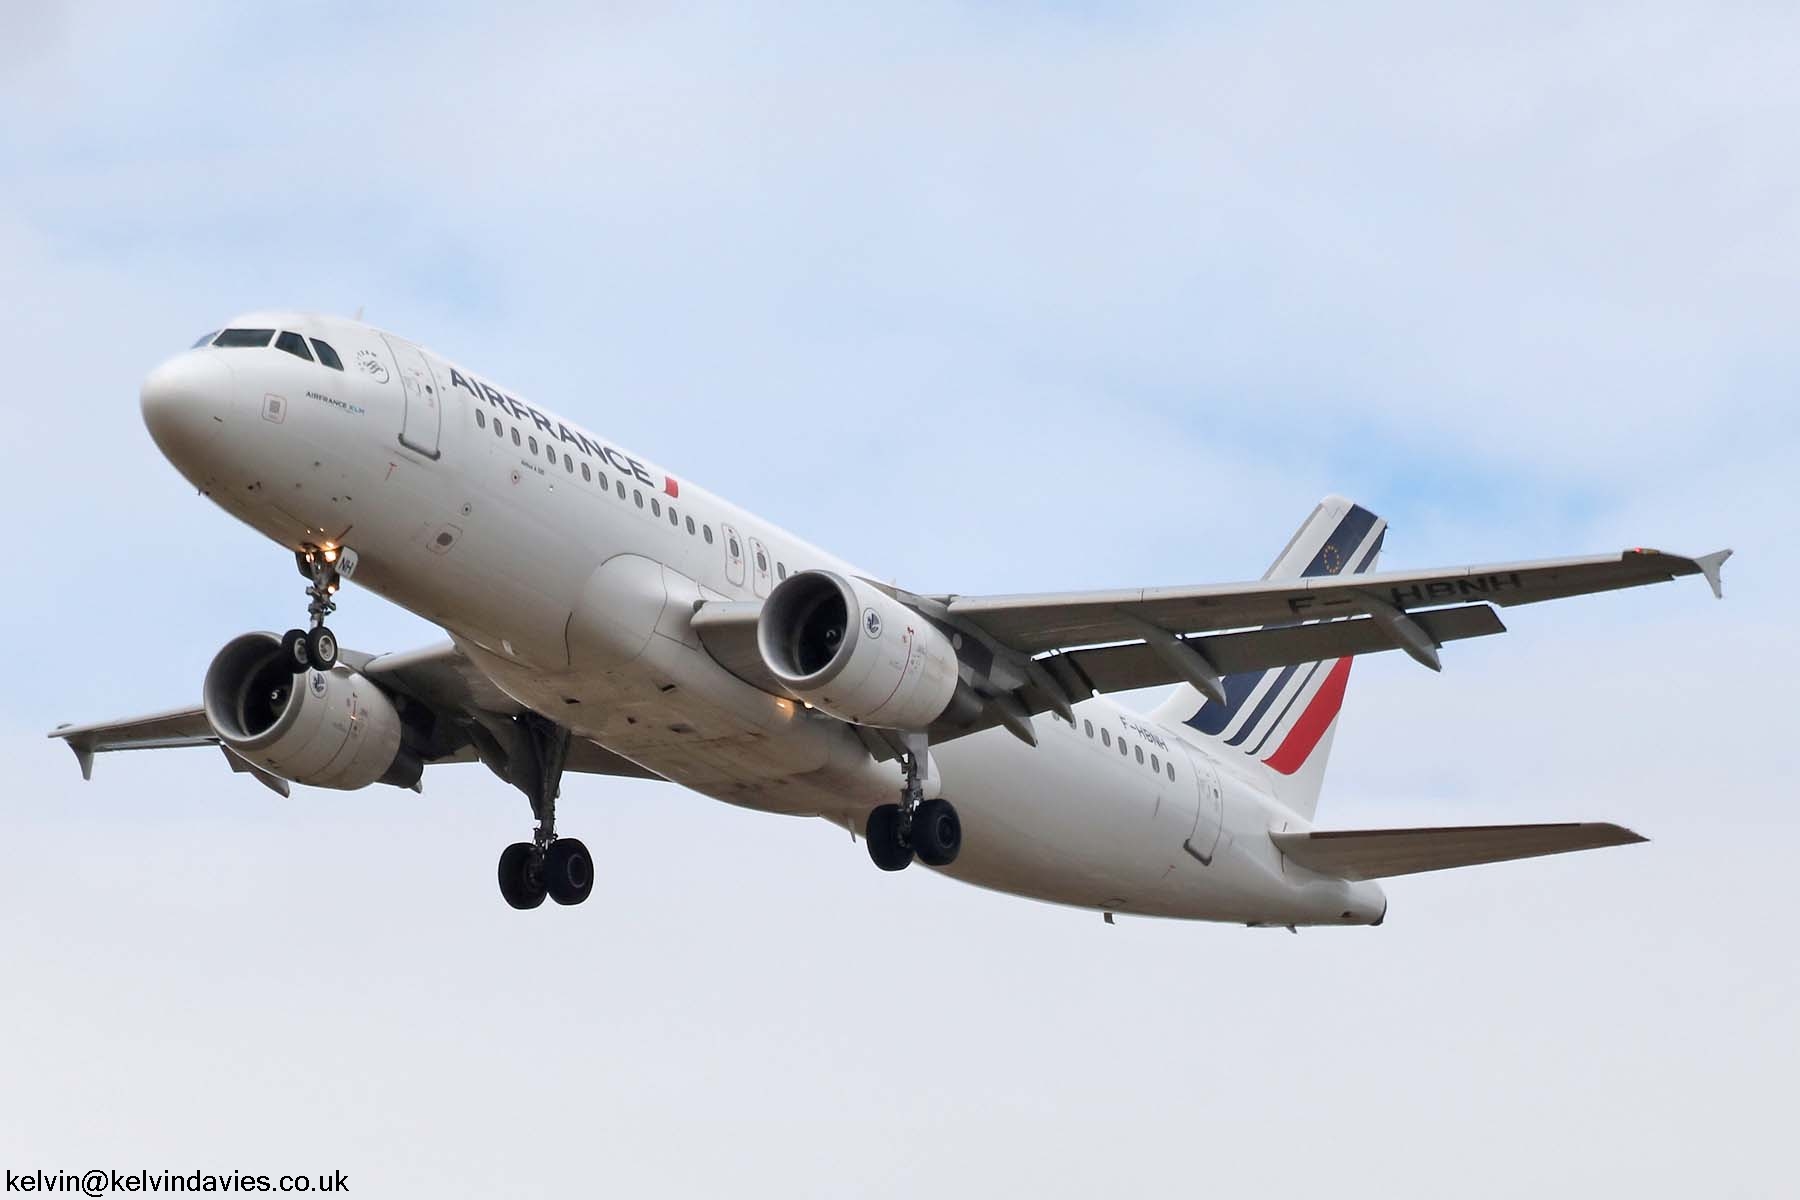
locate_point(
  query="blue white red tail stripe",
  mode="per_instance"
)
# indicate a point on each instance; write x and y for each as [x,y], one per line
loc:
[1281,718]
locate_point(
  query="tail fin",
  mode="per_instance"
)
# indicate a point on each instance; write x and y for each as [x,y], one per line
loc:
[1284,718]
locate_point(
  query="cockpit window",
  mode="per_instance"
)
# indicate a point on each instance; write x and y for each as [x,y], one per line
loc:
[206,340]
[244,337]
[327,355]
[294,344]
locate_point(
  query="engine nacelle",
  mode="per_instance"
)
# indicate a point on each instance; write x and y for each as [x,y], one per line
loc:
[331,729]
[851,650]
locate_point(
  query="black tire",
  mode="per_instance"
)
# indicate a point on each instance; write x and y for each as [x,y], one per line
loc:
[321,648]
[519,883]
[936,833]
[293,651]
[568,871]
[882,833]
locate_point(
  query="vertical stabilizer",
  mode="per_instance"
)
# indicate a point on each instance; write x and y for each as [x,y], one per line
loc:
[1283,719]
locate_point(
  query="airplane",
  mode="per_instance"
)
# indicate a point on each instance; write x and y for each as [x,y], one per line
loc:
[607,617]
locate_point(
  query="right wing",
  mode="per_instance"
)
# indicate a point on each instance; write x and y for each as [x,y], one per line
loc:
[472,720]
[157,731]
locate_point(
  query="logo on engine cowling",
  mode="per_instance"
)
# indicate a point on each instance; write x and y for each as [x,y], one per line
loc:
[871,622]
[317,683]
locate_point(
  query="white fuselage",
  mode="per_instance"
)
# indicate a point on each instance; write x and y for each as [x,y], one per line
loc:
[567,569]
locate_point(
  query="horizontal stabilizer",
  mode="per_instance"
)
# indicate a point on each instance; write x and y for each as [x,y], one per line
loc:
[1379,853]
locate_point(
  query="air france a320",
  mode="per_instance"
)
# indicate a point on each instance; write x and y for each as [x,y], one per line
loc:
[602,616]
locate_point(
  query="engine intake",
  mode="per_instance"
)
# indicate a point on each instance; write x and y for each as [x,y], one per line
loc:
[851,650]
[332,729]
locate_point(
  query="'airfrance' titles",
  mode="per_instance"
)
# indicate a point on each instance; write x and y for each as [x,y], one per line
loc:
[556,429]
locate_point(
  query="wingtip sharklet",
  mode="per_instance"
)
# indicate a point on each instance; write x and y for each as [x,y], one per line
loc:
[1710,565]
[84,755]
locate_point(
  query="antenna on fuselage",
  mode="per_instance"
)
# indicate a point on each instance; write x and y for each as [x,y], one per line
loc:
[358,316]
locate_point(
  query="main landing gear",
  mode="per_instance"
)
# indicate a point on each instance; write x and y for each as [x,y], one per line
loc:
[547,865]
[929,829]
[315,648]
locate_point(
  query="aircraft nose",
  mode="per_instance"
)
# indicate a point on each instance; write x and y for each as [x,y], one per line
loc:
[184,403]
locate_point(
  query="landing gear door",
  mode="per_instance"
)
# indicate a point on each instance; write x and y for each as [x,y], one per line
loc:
[424,408]
[1209,820]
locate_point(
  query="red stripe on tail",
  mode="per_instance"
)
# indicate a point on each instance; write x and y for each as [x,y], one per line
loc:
[1305,735]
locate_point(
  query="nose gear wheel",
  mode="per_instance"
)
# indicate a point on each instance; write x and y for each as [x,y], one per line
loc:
[316,647]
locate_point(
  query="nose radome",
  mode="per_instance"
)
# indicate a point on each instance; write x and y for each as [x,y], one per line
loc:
[185,402]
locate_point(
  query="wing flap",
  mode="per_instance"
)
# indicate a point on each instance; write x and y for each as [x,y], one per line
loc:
[1379,853]
[1121,668]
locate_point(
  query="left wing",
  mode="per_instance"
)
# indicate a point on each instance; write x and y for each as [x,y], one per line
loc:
[1051,621]
[1031,654]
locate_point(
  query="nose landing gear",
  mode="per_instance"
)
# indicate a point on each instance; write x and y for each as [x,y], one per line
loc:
[315,647]
[928,829]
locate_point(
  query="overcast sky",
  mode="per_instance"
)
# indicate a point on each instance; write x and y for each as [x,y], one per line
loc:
[988,298]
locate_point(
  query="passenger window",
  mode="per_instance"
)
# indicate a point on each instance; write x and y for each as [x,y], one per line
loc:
[655,507]
[638,496]
[498,431]
[621,489]
[533,443]
[600,478]
[1140,754]
[1105,738]
[781,570]
[1088,727]
[673,519]
[569,465]
[327,355]
[707,530]
[550,453]
[736,550]
[480,419]
[1123,749]
[515,434]
[243,338]
[1156,764]
[690,525]
[1171,766]
[207,339]
[587,476]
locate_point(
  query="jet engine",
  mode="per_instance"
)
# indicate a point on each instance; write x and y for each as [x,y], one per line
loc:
[332,729]
[851,650]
